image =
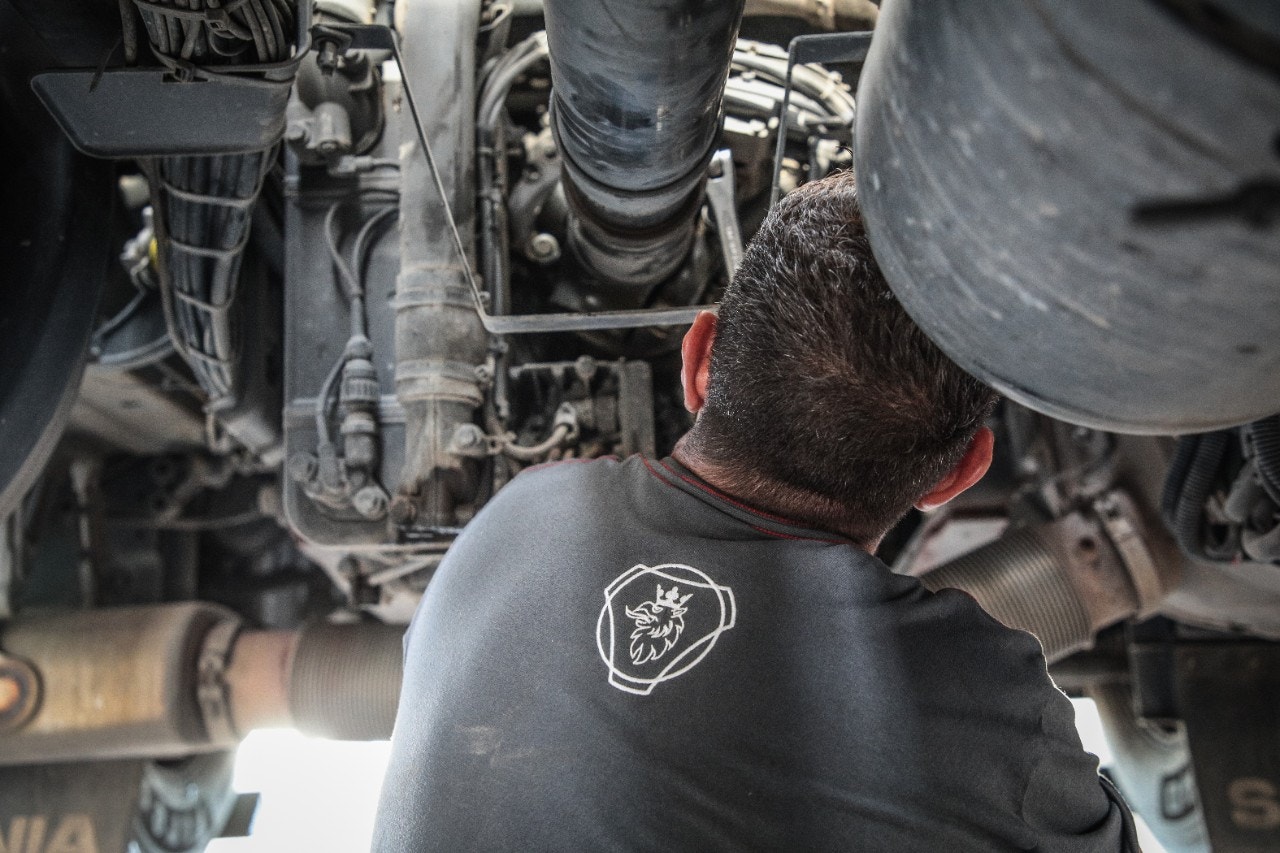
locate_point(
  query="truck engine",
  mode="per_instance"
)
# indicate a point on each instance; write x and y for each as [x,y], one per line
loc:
[291,290]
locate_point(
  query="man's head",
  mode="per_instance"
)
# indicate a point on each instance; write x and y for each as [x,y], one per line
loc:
[816,395]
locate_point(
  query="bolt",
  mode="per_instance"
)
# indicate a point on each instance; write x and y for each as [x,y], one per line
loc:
[327,57]
[303,467]
[370,502]
[585,367]
[468,436]
[544,248]
[19,692]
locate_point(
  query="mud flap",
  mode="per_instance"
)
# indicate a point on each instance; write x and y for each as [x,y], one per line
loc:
[69,808]
[1228,695]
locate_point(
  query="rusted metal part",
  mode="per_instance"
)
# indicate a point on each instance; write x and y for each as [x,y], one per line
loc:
[439,339]
[117,683]
[164,681]
[19,692]
[257,679]
[1066,580]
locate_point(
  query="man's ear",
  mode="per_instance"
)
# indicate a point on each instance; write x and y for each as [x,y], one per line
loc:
[695,351]
[969,470]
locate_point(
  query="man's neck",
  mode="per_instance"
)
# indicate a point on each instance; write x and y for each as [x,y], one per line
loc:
[757,490]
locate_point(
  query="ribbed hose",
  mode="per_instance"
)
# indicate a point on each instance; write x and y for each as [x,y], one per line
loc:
[345,680]
[1266,454]
[1187,488]
[1183,455]
[1023,584]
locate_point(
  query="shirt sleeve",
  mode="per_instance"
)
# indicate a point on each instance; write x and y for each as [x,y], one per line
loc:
[1066,803]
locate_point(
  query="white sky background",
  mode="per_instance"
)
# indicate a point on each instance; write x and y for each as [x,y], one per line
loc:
[319,796]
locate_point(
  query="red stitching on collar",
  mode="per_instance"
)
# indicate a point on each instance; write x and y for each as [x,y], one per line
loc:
[661,479]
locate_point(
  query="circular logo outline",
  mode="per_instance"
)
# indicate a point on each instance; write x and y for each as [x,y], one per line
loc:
[696,650]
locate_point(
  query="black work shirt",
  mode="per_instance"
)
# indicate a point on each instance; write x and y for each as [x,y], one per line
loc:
[615,656]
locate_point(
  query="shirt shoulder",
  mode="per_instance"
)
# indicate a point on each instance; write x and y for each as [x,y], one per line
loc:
[1065,805]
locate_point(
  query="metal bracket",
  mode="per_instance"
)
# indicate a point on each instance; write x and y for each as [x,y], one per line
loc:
[211,682]
[147,112]
[720,195]
[377,37]
[819,47]
[1112,509]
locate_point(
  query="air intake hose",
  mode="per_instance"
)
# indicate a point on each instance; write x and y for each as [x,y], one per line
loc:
[635,107]
[1065,580]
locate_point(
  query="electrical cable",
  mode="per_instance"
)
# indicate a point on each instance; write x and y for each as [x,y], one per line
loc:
[353,288]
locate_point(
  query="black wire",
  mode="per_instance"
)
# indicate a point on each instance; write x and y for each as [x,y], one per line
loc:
[322,400]
[359,322]
[347,280]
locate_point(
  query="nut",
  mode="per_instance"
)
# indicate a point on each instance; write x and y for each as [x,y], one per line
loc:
[371,502]
[544,248]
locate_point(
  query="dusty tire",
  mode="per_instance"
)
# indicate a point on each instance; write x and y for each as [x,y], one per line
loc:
[183,804]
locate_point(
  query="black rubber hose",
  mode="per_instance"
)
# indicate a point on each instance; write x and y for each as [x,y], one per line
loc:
[1266,454]
[345,680]
[1173,481]
[1202,474]
[636,100]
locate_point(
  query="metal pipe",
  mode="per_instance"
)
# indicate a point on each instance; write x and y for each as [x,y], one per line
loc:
[637,87]
[821,14]
[344,680]
[1066,580]
[439,337]
[164,681]
[118,683]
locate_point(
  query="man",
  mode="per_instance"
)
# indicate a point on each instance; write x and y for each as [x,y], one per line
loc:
[701,653]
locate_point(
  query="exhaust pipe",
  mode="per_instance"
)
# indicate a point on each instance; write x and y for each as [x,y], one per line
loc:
[1065,581]
[637,88]
[169,680]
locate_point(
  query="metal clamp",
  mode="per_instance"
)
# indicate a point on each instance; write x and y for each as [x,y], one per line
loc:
[1111,510]
[720,195]
[211,682]
[818,47]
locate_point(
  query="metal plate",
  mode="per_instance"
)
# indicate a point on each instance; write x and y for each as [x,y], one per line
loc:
[145,113]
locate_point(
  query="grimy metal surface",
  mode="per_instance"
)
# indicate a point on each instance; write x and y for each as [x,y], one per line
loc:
[114,683]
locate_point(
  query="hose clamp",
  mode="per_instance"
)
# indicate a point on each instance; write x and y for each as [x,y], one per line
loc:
[1115,511]
[211,682]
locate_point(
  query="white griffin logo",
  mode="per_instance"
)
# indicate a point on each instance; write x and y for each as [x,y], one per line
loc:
[658,624]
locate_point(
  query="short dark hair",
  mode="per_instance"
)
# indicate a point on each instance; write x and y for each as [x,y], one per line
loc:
[820,382]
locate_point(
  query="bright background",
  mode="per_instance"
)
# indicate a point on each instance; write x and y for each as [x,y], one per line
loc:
[320,796]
